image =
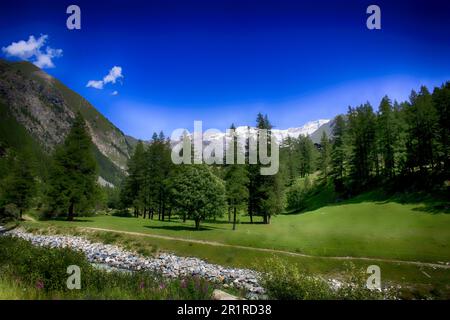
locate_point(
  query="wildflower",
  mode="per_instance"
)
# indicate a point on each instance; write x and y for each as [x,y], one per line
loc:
[162,286]
[39,285]
[141,285]
[197,283]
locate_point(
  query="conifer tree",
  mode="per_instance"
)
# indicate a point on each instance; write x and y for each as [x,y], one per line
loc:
[19,185]
[73,177]
[441,100]
[324,156]
[132,190]
[423,132]
[236,182]
[338,153]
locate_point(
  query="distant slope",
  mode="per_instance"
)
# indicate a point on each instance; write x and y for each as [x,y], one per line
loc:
[46,108]
[14,135]
[327,128]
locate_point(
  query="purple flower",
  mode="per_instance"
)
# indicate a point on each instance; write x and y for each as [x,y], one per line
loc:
[197,283]
[162,286]
[141,285]
[183,284]
[39,285]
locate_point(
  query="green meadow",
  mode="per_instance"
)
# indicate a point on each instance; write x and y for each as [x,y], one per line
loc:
[368,229]
[323,241]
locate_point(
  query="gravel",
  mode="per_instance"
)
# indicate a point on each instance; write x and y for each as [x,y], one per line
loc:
[169,265]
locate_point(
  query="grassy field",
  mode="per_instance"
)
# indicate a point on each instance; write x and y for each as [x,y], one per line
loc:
[366,229]
[360,228]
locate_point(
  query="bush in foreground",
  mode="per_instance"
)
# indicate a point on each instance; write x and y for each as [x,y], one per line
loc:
[286,281]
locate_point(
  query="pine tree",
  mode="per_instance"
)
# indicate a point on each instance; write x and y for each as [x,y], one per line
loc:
[265,191]
[73,177]
[236,182]
[387,133]
[236,189]
[19,185]
[441,100]
[289,164]
[132,190]
[324,157]
[338,153]
[423,132]
[158,167]
[362,139]
[306,153]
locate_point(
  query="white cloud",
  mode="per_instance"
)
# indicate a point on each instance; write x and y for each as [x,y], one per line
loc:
[33,50]
[115,93]
[114,74]
[97,84]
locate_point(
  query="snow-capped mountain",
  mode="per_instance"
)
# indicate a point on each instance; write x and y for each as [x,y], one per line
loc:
[280,134]
[305,130]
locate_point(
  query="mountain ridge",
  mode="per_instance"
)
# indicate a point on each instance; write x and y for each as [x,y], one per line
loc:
[46,108]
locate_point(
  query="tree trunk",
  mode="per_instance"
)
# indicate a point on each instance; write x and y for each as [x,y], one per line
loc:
[197,223]
[20,213]
[250,210]
[184,217]
[229,214]
[159,208]
[234,219]
[70,215]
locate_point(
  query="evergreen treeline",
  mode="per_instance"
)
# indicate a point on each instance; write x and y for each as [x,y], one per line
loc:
[156,187]
[399,147]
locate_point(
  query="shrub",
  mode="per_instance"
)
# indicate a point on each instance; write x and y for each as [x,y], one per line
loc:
[284,281]
[9,212]
[354,286]
[297,194]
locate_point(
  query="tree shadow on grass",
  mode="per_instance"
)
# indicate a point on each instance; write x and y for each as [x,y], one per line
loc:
[75,219]
[254,222]
[434,203]
[434,208]
[180,228]
[218,222]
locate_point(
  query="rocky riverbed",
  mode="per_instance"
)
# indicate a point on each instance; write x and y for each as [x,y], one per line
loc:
[167,264]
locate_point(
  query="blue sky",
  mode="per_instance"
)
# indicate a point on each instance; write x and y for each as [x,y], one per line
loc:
[224,61]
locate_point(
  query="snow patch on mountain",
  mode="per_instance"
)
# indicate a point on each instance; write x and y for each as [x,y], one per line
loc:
[280,134]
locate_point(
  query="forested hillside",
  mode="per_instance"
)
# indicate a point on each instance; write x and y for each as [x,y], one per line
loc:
[41,109]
